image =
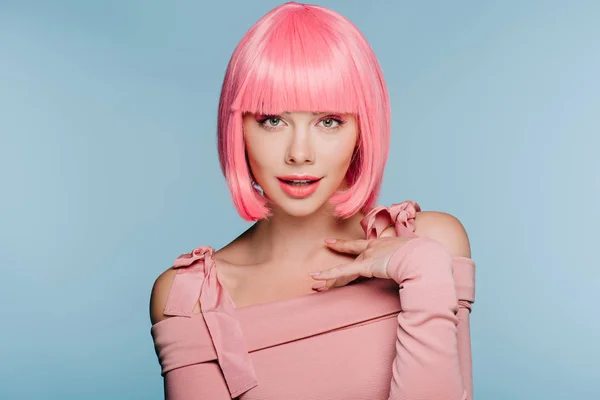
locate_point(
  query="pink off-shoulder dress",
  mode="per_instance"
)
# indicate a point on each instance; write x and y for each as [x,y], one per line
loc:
[397,339]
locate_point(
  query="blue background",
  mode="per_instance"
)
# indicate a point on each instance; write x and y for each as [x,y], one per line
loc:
[109,171]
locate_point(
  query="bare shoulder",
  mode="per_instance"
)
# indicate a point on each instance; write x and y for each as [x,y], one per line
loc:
[160,293]
[446,229]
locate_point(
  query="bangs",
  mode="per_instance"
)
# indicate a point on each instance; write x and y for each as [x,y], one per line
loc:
[300,65]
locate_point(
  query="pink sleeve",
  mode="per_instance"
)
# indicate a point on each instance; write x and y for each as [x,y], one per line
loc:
[434,342]
[199,381]
[464,281]
[431,362]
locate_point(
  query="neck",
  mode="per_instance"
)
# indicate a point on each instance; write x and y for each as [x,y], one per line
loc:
[283,236]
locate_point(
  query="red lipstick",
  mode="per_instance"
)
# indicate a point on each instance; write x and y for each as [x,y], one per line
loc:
[299,186]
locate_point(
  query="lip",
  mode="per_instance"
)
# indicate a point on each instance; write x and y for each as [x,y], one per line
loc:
[299,192]
[299,178]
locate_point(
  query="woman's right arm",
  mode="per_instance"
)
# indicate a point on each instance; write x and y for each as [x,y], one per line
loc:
[197,381]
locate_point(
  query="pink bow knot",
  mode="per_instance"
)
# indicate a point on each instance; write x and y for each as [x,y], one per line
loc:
[404,213]
[400,215]
[198,254]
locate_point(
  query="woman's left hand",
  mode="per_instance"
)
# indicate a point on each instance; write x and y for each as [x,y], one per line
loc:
[371,261]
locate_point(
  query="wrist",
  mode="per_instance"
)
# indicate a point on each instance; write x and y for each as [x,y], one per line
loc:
[414,250]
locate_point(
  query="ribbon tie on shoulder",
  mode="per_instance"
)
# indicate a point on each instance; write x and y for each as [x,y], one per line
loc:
[196,279]
[186,260]
[400,215]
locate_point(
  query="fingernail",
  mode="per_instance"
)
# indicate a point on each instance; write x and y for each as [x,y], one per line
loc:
[315,273]
[330,240]
[319,285]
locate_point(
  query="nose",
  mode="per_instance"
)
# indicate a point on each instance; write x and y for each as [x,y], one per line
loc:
[300,149]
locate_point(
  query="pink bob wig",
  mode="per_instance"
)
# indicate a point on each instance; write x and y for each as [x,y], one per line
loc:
[305,58]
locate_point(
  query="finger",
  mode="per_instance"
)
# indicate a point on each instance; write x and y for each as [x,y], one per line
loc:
[321,286]
[361,268]
[367,267]
[347,246]
[343,281]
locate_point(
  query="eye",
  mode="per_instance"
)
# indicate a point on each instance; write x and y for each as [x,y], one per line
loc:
[274,121]
[332,122]
[328,123]
[270,122]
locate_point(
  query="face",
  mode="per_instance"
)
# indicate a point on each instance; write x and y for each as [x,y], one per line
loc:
[300,159]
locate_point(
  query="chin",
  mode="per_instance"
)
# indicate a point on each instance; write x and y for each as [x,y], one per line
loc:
[299,207]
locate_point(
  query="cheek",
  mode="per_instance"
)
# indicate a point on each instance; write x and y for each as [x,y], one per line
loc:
[340,154]
[261,153]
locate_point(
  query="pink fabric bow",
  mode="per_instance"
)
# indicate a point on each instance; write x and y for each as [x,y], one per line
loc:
[400,215]
[185,260]
[219,314]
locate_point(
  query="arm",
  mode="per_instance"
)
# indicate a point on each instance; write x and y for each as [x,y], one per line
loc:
[196,381]
[449,231]
[199,381]
[433,357]
[464,270]
[430,260]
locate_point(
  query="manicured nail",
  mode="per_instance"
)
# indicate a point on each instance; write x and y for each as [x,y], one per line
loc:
[319,285]
[330,240]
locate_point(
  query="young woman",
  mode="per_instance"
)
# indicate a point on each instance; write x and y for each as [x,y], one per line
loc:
[326,296]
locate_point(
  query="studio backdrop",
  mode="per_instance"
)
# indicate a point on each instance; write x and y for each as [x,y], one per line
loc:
[109,171]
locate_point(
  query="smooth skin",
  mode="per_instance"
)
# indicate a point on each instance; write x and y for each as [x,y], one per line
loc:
[278,257]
